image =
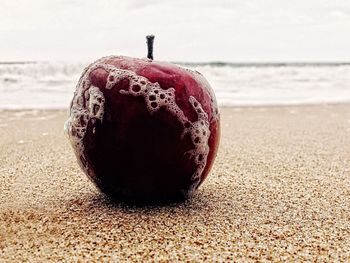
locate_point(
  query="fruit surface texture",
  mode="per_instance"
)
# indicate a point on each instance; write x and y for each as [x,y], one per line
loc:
[143,129]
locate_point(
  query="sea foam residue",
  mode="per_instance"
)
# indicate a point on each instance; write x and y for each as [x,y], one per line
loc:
[46,85]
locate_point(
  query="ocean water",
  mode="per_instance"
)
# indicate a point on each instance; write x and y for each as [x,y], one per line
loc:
[50,85]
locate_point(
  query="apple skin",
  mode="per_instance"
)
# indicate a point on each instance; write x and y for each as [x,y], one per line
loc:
[142,129]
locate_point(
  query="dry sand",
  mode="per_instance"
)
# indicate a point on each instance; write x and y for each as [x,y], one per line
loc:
[279,190]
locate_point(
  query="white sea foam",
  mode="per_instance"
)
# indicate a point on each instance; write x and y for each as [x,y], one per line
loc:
[51,85]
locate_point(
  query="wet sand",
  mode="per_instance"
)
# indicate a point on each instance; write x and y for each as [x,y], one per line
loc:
[279,190]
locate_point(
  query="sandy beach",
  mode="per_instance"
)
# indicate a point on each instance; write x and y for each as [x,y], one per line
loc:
[279,191]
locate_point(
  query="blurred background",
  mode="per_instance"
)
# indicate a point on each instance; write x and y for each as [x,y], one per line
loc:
[272,52]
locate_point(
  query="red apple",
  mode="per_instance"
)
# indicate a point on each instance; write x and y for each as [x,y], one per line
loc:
[143,129]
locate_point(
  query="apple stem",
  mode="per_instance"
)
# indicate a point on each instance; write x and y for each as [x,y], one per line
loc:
[150,40]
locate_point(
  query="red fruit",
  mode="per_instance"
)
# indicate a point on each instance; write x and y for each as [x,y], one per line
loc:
[144,129]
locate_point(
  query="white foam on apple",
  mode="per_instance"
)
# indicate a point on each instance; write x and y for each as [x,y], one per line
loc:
[88,105]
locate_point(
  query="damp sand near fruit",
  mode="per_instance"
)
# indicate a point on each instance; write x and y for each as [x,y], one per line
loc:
[279,190]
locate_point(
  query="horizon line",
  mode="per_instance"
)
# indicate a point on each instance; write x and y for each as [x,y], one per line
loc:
[210,63]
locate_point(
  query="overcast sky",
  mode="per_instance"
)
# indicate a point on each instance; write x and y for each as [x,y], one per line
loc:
[186,30]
